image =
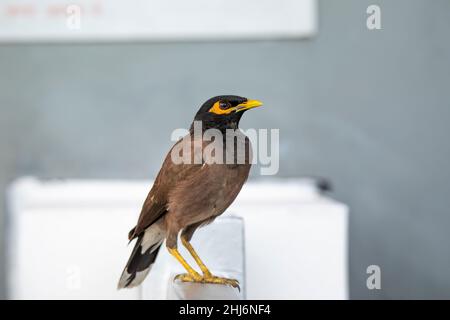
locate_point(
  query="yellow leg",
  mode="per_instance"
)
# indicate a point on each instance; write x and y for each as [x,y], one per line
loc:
[190,248]
[192,273]
[207,275]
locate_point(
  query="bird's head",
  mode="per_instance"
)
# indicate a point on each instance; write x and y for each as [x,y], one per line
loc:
[224,112]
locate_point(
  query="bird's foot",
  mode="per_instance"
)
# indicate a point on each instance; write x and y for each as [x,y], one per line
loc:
[220,280]
[186,277]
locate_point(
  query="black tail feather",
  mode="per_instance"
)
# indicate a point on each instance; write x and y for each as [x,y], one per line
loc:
[139,263]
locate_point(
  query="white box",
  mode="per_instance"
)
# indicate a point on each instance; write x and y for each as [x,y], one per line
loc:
[67,240]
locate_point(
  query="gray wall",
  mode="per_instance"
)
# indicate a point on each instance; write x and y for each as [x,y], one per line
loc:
[368,109]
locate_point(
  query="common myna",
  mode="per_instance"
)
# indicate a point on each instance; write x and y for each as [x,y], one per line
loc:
[193,193]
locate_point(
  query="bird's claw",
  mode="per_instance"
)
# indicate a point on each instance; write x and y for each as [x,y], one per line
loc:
[226,281]
[186,277]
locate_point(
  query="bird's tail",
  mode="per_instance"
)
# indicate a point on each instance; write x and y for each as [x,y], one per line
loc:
[143,256]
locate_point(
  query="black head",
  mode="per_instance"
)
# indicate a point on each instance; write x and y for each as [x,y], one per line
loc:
[224,112]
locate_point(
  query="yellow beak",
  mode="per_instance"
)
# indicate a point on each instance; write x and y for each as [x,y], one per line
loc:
[249,104]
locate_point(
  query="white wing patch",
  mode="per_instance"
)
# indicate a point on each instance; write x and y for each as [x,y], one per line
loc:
[153,236]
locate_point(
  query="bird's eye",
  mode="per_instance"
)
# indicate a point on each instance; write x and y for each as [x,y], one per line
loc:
[223,105]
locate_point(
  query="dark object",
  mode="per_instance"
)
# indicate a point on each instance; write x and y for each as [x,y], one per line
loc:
[323,184]
[191,194]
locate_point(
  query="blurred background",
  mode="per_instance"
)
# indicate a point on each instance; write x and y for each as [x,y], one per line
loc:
[366,109]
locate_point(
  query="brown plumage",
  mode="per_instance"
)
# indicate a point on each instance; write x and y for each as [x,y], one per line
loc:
[188,195]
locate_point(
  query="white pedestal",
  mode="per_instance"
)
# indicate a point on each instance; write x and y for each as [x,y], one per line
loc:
[67,240]
[221,247]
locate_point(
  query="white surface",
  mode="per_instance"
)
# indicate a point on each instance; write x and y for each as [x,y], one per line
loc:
[64,249]
[196,291]
[296,251]
[220,246]
[68,239]
[27,20]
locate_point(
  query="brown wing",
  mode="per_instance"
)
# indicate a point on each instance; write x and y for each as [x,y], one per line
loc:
[169,176]
[207,194]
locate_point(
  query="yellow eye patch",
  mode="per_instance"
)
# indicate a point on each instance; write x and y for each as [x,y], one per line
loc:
[217,110]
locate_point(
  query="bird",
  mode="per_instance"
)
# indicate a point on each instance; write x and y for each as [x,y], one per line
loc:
[191,194]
